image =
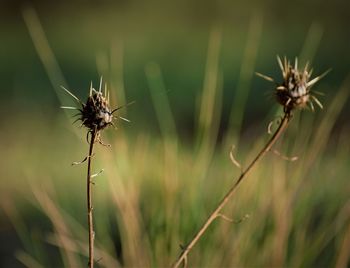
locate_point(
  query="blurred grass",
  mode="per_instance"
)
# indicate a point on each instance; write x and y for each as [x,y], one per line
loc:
[167,169]
[151,198]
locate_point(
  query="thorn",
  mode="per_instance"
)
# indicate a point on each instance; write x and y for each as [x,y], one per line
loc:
[100,88]
[123,118]
[281,66]
[287,63]
[75,115]
[90,94]
[281,88]
[265,77]
[69,108]
[311,71]
[311,106]
[318,92]
[306,67]
[296,63]
[70,93]
[123,106]
[76,120]
[318,78]
[317,101]
[105,90]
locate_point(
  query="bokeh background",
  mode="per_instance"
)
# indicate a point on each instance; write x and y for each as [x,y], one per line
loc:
[189,65]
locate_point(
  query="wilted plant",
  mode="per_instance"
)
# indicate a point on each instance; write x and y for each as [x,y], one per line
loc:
[95,114]
[292,93]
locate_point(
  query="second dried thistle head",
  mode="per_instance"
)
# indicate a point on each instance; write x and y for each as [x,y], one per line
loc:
[295,89]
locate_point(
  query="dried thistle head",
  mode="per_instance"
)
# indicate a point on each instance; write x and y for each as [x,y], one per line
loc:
[95,114]
[295,89]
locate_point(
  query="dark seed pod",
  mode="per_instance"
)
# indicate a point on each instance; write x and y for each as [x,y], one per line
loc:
[96,113]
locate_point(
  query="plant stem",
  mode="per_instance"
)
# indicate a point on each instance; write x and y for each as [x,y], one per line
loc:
[89,202]
[216,213]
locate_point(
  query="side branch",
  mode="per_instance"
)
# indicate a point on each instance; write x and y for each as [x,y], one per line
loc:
[216,213]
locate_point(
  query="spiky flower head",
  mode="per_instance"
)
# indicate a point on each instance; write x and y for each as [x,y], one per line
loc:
[295,89]
[95,114]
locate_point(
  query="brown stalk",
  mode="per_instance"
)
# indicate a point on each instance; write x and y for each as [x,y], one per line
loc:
[89,201]
[216,213]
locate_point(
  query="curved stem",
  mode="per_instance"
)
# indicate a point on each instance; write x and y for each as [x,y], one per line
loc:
[216,213]
[89,202]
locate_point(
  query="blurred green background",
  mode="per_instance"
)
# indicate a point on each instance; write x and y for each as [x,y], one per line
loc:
[189,65]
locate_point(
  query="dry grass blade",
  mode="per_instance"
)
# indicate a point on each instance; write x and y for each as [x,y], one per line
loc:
[43,49]
[344,250]
[210,105]
[160,100]
[245,77]
[134,242]
[63,231]
[105,259]
[27,260]
[324,129]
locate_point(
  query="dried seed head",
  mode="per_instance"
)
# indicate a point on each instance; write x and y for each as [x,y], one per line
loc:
[295,89]
[96,113]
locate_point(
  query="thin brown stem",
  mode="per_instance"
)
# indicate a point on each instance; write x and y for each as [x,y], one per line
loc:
[89,201]
[216,213]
